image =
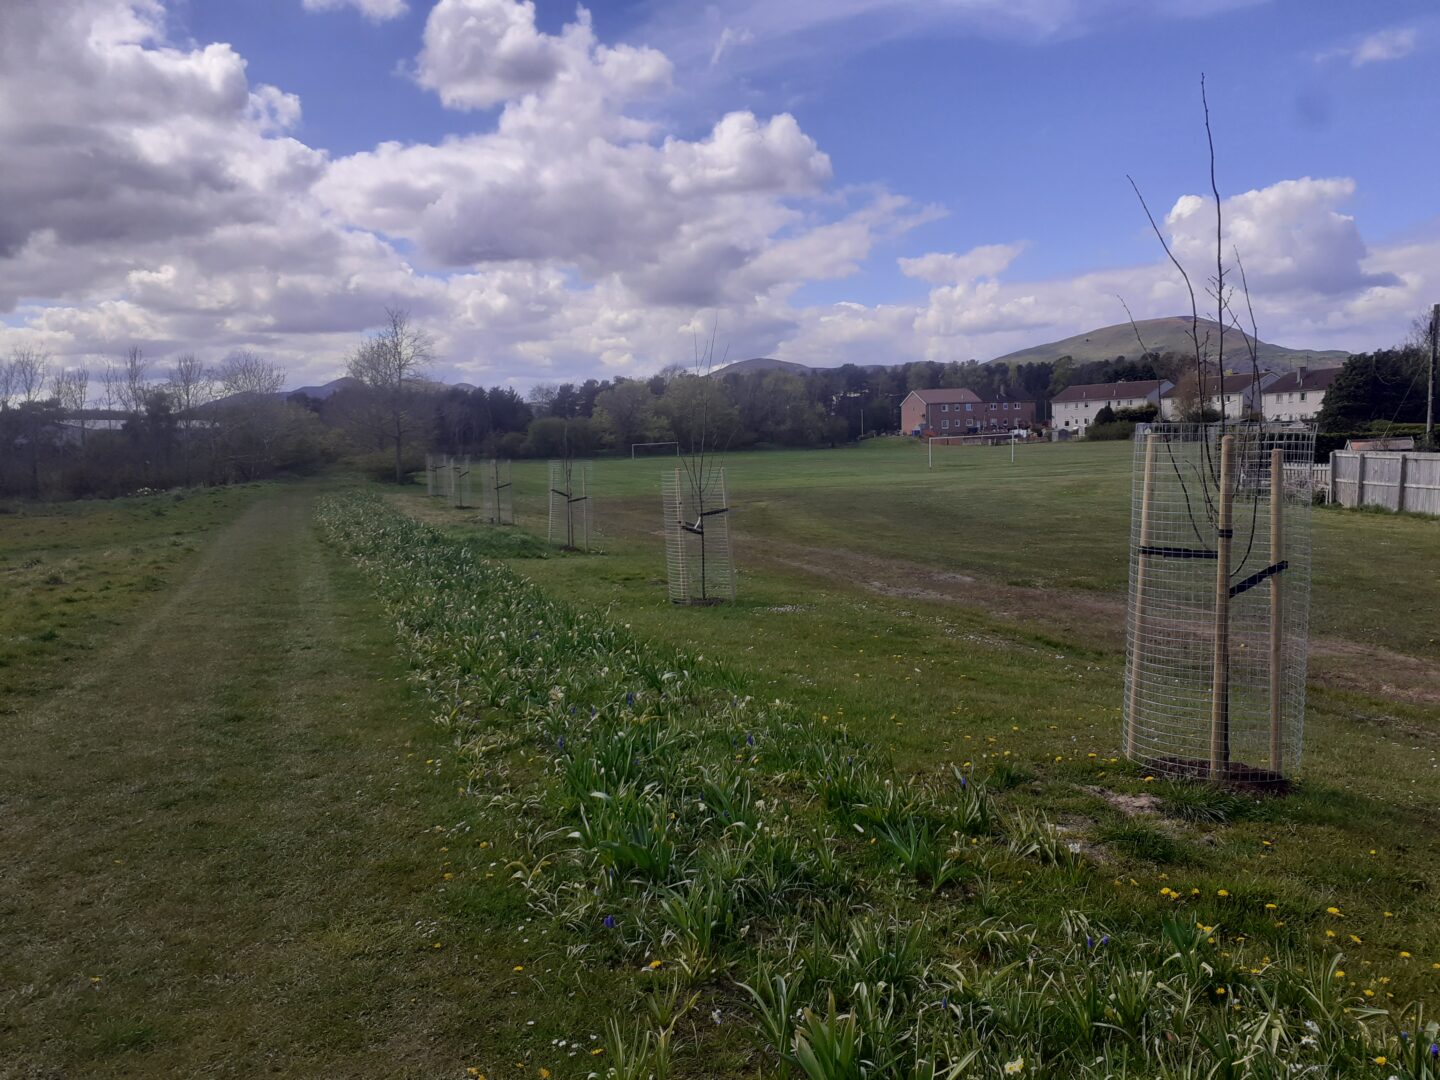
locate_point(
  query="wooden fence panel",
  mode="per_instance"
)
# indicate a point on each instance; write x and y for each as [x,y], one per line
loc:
[1394,481]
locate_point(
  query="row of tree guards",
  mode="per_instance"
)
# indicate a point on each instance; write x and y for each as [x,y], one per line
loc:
[1219,601]
[695,509]
[454,478]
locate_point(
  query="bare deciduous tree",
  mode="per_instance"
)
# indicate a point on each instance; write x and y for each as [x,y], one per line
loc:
[190,386]
[246,372]
[391,366]
[28,372]
[127,384]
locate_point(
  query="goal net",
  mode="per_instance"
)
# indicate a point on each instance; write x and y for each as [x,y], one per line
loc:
[654,449]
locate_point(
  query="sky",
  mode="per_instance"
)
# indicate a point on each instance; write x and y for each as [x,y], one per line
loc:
[557,192]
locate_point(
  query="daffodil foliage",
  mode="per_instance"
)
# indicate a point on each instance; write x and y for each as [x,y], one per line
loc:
[751,877]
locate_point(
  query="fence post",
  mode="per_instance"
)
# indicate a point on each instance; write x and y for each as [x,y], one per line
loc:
[1277,640]
[1139,639]
[1400,488]
[1360,478]
[1220,676]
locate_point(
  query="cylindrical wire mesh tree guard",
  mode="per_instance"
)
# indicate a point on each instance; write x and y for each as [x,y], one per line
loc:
[432,475]
[572,508]
[1219,607]
[496,492]
[460,482]
[695,511]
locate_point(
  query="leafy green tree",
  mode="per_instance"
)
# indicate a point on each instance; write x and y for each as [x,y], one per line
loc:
[1388,384]
[628,413]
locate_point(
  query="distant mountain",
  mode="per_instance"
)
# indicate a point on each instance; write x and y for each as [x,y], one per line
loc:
[320,393]
[1171,335]
[758,364]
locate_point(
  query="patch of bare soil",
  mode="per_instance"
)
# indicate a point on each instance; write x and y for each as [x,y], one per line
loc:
[1129,805]
[1350,665]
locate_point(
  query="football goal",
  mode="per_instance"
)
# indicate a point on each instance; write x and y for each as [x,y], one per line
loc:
[989,438]
[653,449]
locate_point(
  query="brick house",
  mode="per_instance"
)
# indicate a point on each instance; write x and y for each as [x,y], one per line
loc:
[1075,407]
[957,411]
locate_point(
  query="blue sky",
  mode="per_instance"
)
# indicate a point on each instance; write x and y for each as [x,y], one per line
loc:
[573,193]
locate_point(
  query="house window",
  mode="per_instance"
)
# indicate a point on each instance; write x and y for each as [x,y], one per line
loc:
[944,423]
[944,408]
[1302,397]
[992,406]
[968,407]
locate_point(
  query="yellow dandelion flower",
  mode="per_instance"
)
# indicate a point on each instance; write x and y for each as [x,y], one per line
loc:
[1356,940]
[1404,955]
[1329,933]
[1271,907]
[1369,993]
[518,967]
[1222,893]
[544,1073]
[654,964]
[1332,911]
[1339,974]
[1382,1060]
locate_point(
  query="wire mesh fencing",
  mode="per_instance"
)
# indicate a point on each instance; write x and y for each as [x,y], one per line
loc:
[695,512]
[572,504]
[460,481]
[1219,601]
[432,475]
[496,492]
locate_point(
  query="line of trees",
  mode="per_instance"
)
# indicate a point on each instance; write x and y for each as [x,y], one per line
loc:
[185,424]
[140,426]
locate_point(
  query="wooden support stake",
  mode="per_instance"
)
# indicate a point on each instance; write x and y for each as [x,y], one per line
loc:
[1277,555]
[1220,677]
[1132,705]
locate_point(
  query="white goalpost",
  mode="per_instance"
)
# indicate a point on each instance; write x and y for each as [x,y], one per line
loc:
[651,446]
[990,438]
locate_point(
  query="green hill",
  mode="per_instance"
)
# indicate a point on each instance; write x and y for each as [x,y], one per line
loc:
[1170,335]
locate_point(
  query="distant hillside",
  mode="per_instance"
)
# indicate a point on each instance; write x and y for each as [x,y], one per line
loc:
[757,364]
[1170,335]
[320,393]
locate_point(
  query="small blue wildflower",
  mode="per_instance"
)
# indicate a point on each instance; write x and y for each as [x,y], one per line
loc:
[750,739]
[1435,1050]
[560,742]
[630,698]
[1105,940]
[609,922]
[963,784]
[1089,942]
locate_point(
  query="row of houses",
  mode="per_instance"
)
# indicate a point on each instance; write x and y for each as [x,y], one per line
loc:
[1285,397]
[1290,396]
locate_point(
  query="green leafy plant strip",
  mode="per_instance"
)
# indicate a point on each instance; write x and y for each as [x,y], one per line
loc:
[766,897]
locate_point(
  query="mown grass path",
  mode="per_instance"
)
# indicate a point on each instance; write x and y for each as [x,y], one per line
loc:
[217,850]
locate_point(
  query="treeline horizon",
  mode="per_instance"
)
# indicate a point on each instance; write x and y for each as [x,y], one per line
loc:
[189,424]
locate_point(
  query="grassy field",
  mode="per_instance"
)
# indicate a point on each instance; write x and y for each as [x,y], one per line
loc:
[976,610]
[225,849]
[234,841]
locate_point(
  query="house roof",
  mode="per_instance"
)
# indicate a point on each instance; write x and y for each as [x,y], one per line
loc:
[1303,379]
[1231,384]
[1109,391]
[946,395]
